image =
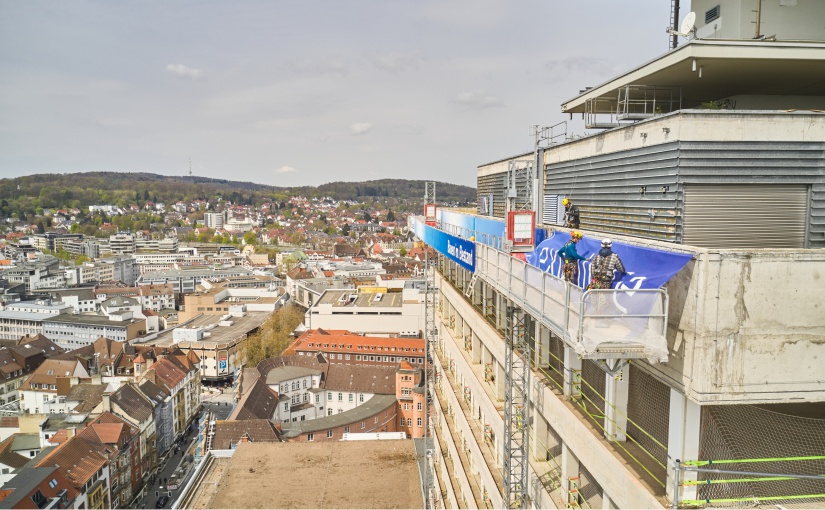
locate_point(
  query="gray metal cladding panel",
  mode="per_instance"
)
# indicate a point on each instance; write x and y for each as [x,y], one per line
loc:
[766,161]
[606,188]
[745,215]
[761,163]
[494,184]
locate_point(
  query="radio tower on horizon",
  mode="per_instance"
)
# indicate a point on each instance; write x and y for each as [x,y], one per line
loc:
[190,166]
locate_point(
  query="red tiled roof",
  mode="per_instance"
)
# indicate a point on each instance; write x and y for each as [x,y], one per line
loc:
[335,341]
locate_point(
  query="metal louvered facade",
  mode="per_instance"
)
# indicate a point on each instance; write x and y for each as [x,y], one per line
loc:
[608,191]
[644,192]
[493,185]
[745,215]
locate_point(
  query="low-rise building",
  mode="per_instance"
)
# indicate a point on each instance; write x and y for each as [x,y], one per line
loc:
[38,487]
[18,362]
[73,331]
[345,347]
[85,462]
[40,389]
[185,281]
[370,313]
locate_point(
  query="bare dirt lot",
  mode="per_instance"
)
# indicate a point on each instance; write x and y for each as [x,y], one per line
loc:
[334,474]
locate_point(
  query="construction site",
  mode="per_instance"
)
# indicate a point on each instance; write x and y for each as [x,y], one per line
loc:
[693,379]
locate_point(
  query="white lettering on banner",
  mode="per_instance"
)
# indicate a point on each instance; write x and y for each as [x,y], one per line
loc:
[637,284]
[459,253]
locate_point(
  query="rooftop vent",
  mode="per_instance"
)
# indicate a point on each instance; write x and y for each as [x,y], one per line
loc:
[711,14]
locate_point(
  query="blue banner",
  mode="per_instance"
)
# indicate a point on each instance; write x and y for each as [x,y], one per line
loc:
[647,268]
[461,251]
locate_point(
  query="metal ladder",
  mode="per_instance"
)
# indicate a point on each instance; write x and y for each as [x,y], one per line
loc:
[471,287]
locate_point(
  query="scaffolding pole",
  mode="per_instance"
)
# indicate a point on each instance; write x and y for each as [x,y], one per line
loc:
[431,340]
[516,411]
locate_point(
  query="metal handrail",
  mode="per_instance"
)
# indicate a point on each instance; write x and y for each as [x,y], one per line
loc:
[557,304]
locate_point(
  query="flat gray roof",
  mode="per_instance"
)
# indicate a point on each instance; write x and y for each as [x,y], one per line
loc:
[219,334]
[285,373]
[99,320]
[195,273]
[362,300]
[30,316]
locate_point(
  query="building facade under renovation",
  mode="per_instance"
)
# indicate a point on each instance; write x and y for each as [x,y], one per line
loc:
[703,390]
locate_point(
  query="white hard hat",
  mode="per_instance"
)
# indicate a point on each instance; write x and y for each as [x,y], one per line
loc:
[607,243]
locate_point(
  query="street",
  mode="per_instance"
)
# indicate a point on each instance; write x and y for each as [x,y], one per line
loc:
[180,463]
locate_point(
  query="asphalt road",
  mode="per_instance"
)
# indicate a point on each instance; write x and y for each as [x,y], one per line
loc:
[219,403]
[173,460]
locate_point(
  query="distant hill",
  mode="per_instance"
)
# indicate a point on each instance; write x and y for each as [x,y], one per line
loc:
[57,191]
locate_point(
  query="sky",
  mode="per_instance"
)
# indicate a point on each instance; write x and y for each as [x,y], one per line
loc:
[291,93]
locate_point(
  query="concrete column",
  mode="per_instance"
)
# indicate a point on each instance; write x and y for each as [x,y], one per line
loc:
[542,346]
[607,504]
[615,413]
[683,440]
[572,373]
[569,472]
[500,311]
[499,368]
[538,443]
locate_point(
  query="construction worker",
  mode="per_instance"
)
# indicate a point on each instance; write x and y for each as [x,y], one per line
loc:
[571,214]
[604,265]
[571,258]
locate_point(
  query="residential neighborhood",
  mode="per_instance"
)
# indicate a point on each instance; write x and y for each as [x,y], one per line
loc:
[127,355]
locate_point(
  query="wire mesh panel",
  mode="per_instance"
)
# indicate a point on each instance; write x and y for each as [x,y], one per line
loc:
[555,358]
[772,433]
[648,413]
[590,490]
[593,383]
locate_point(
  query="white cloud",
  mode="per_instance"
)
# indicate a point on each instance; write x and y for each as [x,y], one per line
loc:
[183,71]
[395,63]
[478,100]
[360,128]
[580,65]
[327,66]
[286,169]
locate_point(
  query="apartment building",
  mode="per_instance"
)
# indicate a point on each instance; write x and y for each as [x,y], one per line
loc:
[712,368]
[40,389]
[39,487]
[91,477]
[122,243]
[185,281]
[214,220]
[18,362]
[41,273]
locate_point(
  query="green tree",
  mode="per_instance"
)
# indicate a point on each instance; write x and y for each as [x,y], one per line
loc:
[402,251]
[250,238]
[274,336]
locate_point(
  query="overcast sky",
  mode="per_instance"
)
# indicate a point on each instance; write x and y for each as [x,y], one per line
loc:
[301,92]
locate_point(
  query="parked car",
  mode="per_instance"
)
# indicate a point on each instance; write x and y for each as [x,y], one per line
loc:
[162,501]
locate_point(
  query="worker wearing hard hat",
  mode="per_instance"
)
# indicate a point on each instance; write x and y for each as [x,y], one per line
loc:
[571,214]
[571,258]
[604,267]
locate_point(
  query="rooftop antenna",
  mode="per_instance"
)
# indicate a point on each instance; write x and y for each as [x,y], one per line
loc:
[687,28]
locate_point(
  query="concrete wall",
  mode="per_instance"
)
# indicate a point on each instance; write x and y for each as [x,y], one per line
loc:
[747,327]
[786,19]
